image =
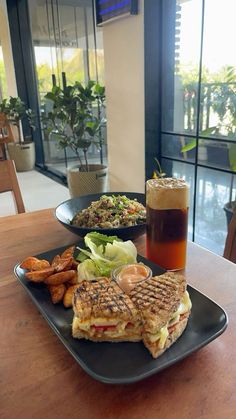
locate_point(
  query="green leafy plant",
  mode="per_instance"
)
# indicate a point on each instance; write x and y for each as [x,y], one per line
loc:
[158,173]
[16,112]
[76,118]
[222,101]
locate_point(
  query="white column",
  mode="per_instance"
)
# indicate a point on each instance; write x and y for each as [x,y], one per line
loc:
[7,50]
[124,81]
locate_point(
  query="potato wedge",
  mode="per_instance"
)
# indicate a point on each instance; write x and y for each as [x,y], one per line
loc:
[67,299]
[68,252]
[56,260]
[33,264]
[73,281]
[57,292]
[60,277]
[63,264]
[40,264]
[39,276]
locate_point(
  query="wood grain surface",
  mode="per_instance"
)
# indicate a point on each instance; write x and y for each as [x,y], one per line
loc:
[40,379]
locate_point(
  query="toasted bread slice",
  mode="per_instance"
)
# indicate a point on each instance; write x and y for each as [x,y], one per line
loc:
[103,312]
[156,311]
[158,298]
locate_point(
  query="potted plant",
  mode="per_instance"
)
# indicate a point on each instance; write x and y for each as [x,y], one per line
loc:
[75,120]
[21,150]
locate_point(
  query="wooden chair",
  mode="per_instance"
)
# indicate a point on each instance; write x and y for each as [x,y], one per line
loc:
[6,135]
[230,243]
[9,183]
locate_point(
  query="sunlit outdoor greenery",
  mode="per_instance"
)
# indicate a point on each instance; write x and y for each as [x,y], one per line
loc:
[218,95]
[74,69]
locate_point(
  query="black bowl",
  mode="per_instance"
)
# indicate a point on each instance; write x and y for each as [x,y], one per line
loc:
[67,210]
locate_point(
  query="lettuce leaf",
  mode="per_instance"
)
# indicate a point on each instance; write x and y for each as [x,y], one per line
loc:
[87,270]
[99,238]
[105,255]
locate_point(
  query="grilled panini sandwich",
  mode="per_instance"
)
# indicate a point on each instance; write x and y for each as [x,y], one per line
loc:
[103,312]
[155,311]
[164,305]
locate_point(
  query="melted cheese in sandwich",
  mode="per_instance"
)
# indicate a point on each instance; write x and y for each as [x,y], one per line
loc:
[163,333]
[184,307]
[97,327]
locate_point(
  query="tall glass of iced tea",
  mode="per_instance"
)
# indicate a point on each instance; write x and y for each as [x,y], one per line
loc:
[167,202]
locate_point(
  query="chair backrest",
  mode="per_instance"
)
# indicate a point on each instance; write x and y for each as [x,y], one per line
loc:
[230,243]
[9,183]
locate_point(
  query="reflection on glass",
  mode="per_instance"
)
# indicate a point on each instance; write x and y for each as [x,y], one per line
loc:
[176,146]
[211,120]
[218,92]
[213,191]
[181,62]
[64,37]
[217,154]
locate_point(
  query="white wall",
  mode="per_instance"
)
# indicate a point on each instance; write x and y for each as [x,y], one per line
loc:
[124,81]
[7,50]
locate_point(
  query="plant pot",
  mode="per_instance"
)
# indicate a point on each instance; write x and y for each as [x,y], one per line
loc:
[84,183]
[229,209]
[23,155]
[218,155]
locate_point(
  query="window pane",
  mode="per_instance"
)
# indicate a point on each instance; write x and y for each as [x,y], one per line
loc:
[63,37]
[213,191]
[100,56]
[217,154]
[209,122]
[178,146]
[181,57]
[218,91]
[73,43]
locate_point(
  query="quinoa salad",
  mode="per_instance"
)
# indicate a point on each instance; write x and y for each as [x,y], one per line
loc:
[111,212]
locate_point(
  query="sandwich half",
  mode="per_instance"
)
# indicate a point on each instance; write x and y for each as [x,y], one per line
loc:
[103,312]
[156,311]
[164,305]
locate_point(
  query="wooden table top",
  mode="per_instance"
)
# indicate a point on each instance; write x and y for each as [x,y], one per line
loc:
[40,379]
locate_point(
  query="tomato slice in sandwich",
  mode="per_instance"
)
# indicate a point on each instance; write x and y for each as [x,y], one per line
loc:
[172,328]
[105,327]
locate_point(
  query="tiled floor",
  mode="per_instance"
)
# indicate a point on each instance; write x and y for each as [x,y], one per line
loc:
[38,192]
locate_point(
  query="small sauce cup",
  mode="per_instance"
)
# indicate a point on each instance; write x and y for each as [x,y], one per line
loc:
[130,275]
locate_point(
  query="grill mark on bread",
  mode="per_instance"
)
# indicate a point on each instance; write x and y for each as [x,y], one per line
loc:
[158,290]
[150,304]
[101,298]
[157,298]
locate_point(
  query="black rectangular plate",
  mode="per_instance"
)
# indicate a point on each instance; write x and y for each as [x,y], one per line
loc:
[127,362]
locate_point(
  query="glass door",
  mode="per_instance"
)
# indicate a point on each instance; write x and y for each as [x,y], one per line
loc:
[198,129]
[67,48]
